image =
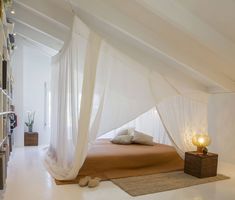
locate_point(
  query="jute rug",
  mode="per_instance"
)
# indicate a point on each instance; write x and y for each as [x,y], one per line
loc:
[141,185]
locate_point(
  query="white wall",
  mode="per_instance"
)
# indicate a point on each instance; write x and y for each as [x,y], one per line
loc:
[36,74]
[221,119]
[31,68]
[17,65]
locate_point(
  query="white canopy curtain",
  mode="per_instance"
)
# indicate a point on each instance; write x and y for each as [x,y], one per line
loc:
[183,117]
[71,71]
[97,89]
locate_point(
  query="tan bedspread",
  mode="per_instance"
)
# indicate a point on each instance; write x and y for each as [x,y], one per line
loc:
[109,161]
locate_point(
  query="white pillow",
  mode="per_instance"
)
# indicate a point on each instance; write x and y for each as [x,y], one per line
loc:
[141,138]
[123,132]
[122,139]
[129,131]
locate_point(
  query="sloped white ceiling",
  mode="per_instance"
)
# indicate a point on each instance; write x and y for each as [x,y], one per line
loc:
[182,37]
[219,14]
[165,38]
[46,22]
[189,23]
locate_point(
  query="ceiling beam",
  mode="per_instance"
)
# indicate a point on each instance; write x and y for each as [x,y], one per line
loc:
[49,10]
[39,37]
[39,23]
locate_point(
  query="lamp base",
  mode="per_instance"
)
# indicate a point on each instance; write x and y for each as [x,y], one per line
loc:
[200,149]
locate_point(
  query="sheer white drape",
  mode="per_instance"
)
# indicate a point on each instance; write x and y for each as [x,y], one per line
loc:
[97,89]
[73,80]
[126,87]
[183,117]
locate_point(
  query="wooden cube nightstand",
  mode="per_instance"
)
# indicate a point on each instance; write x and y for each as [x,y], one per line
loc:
[31,139]
[199,165]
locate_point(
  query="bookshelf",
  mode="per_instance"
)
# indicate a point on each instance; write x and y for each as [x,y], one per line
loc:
[6,89]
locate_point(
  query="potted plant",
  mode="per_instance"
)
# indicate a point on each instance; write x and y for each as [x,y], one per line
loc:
[30,121]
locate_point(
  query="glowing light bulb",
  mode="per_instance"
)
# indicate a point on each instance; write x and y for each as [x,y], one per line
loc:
[201,140]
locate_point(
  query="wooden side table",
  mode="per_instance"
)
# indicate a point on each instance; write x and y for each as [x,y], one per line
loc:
[31,139]
[200,165]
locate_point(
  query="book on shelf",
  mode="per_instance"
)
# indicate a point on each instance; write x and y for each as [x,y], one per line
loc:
[2,169]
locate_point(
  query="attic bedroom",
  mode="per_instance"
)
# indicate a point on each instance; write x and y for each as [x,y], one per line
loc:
[120,99]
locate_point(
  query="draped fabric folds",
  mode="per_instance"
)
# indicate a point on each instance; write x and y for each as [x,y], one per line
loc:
[97,89]
[183,117]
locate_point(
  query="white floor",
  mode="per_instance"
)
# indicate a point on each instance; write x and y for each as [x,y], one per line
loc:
[28,180]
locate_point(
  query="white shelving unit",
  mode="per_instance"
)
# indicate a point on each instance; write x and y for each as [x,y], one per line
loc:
[6,85]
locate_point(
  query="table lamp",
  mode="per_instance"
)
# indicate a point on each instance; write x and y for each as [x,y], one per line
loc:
[201,141]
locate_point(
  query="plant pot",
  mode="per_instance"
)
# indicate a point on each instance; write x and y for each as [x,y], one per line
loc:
[30,129]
